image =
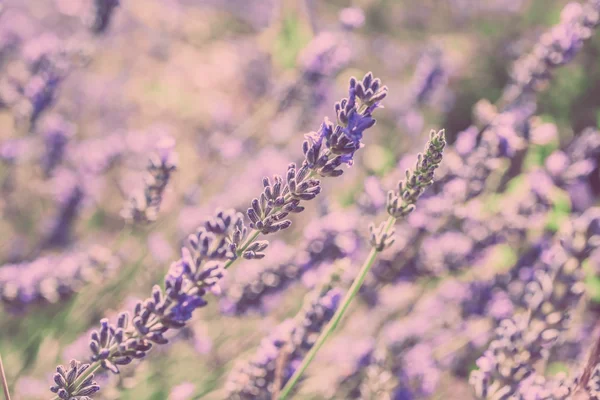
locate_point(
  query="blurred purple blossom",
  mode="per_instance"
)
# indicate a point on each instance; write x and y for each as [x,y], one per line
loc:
[49,279]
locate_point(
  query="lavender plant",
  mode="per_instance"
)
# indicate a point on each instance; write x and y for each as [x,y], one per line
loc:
[225,238]
[399,204]
[525,339]
[480,251]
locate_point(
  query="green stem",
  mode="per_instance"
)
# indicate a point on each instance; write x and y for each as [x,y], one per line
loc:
[337,317]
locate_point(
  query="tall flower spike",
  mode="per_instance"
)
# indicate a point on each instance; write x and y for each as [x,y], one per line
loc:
[324,152]
[145,206]
[402,202]
[421,179]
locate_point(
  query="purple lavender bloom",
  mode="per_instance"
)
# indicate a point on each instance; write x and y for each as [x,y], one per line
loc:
[64,379]
[324,152]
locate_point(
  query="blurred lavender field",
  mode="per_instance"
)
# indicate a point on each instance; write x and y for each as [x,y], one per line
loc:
[126,125]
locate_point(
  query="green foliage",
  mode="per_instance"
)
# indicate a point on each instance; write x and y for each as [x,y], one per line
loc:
[293,35]
[555,368]
[561,208]
[567,85]
[379,159]
[537,154]
[592,282]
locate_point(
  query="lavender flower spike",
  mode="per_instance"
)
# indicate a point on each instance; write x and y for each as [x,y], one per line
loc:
[225,238]
[402,202]
[144,207]
[399,204]
[324,152]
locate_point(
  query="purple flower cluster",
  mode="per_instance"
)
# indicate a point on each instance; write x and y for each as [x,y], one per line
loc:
[64,378]
[525,339]
[50,279]
[478,276]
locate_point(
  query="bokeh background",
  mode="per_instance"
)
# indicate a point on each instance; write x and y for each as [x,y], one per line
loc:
[236,84]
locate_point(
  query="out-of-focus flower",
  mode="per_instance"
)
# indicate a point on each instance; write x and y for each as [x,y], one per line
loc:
[352,18]
[52,278]
[145,206]
[184,391]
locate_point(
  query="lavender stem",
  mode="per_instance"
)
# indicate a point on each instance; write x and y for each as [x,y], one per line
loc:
[337,317]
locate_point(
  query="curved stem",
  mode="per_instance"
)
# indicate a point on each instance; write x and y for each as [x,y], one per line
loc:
[337,317]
